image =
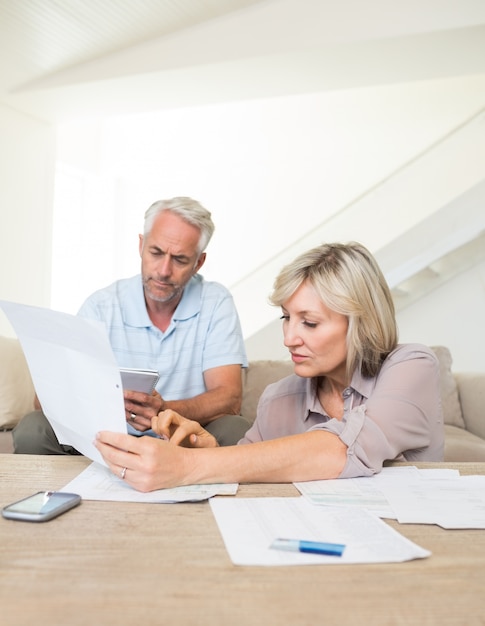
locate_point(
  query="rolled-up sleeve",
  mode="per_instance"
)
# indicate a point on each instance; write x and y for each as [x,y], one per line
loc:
[400,419]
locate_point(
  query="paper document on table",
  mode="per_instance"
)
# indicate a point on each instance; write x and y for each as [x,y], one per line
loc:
[96,482]
[368,492]
[360,492]
[452,503]
[74,372]
[249,526]
[408,494]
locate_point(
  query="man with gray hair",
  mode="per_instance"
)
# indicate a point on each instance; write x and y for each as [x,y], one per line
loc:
[171,320]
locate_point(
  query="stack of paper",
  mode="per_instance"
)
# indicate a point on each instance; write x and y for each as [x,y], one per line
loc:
[408,494]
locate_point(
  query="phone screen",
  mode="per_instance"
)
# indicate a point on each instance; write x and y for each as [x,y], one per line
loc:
[41,506]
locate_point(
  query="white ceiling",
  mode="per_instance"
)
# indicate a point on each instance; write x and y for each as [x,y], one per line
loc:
[41,37]
[64,58]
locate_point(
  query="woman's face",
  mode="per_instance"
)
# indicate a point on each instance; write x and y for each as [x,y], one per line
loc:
[315,335]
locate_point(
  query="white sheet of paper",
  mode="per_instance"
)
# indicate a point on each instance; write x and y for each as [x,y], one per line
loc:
[451,503]
[96,482]
[369,492]
[360,492]
[74,372]
[249,525]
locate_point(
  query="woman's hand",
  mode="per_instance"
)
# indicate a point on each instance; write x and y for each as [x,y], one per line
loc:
[145,463]
[181,431]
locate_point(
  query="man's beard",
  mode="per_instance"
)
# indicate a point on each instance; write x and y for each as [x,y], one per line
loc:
[175,293]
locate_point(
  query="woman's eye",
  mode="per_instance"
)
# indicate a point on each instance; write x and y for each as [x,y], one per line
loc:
[310,324]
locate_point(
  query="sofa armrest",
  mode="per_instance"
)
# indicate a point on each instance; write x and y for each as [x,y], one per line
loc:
[471,390]
[16,388]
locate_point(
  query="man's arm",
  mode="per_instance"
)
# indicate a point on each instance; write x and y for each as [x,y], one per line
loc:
[223,396]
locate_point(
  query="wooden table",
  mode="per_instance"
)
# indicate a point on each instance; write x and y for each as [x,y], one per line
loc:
[122,563]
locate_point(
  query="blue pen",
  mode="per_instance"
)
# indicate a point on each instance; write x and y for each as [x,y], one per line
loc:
[314,547]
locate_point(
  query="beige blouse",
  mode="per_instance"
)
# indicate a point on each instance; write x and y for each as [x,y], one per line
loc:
[396,415]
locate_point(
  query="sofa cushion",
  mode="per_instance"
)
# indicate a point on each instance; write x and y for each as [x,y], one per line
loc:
[461,445]
[16,387]
[471,389]
[256,378]
[449,391]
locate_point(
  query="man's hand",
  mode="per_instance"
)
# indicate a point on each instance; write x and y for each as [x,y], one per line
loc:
[140,408]
[182,431]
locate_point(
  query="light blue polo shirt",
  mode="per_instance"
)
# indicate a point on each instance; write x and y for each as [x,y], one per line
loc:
[205,332]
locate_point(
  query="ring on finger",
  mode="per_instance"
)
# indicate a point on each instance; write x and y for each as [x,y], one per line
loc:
[132,417]
[123,473]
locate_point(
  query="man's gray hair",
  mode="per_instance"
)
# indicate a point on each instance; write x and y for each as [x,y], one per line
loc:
[189,210]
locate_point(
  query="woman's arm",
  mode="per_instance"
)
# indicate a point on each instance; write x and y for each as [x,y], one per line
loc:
[156,464]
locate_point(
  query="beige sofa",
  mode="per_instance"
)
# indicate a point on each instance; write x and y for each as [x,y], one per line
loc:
[463,398]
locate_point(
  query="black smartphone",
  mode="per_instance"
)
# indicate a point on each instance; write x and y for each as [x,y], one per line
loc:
[41,506]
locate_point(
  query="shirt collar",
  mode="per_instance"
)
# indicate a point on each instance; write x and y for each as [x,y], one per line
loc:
[312,402]
[135,311]
[362,385]
[190,303]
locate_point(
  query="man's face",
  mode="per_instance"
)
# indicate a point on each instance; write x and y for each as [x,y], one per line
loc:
[169,257]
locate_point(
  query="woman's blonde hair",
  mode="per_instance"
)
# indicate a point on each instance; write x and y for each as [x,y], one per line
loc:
[349,281]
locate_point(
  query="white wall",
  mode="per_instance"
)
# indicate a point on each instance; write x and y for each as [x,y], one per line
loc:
[452,315]
[269,170]
[27,157]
